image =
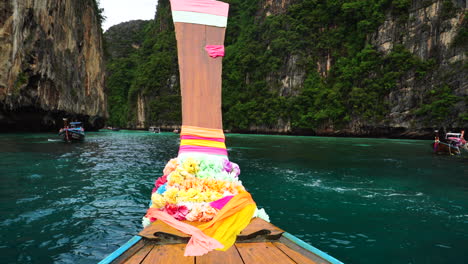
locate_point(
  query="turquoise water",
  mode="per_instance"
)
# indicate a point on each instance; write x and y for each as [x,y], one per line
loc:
[360,200]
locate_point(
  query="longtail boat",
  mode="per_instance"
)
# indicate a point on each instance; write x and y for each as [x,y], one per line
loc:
[451,145]
[200,212]
[72,132]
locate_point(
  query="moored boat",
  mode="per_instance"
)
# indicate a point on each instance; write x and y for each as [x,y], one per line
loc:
[154,129]
[452,144]
[200,212]
[72,132]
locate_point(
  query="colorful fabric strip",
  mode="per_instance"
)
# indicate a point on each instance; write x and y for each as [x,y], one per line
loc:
[219,204]
[202,132]
[215,50]
[204,150]
[201,6]
[202,143]
[230,220]
[199,244]
[199,18]
[201,138]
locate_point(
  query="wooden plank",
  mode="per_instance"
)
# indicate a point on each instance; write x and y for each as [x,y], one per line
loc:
[262,253]
[258,224]
[200,75]
[231,256]
[168,254]
[296,256]
[140,255]
[126,251]
[160,227]
[303,251]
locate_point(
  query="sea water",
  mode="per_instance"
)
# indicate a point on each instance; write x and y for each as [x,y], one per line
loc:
[360,200]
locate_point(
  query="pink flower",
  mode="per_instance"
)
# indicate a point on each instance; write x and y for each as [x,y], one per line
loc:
[178,212]
[182,211]
[160,181]
[171,166]
[171,209]
[195,214]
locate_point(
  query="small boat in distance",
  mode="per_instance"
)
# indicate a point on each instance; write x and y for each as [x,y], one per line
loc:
[154,129]
[452,144]
[72,132]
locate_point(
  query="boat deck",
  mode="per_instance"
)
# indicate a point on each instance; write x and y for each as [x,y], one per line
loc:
[260,242]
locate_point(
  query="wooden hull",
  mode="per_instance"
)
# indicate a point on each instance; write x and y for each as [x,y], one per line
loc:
[72,136]
[444,148]
[260,242]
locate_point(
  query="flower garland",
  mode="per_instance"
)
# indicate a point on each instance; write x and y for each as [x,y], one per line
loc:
[189,186]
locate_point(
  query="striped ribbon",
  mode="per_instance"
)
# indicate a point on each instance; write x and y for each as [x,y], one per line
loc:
[202,140]
[204,12]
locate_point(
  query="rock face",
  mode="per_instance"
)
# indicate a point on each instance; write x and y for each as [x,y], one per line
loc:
[430,33]
[432,30]
[124,38]
[51,64]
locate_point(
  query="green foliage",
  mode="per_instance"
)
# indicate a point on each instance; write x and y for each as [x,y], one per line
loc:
[438,104]
[119,82]
[21,80]
[356,84]
[261,50]
[462,35]
[448,9]
[146,72]
[98,11]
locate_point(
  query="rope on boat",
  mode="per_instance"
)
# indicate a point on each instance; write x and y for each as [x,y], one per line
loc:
[450,147]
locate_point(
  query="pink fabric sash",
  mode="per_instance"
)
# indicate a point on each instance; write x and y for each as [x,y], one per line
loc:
[201,6]
[219,204]
[215,50]
[205,150]
[201,138]
[198,245]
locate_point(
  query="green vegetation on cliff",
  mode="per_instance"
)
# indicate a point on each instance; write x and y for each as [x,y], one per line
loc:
[342,77]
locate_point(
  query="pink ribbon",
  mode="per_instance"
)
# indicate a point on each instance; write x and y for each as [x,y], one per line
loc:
[198,245]
[201,138]
[219,204]
[206,150]
[215,50]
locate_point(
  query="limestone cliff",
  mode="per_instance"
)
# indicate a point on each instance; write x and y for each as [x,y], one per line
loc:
[51,64]
[429,32]
[432,31]
[317,67]
[124,38]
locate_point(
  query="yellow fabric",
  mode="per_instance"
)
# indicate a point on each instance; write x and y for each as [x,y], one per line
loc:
[230,220]
[202,143]
[202,132]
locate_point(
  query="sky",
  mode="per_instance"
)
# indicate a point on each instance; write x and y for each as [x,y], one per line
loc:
[118,11]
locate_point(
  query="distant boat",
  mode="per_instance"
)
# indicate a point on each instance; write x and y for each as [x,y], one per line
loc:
[154,129]
[72,132]
[116,129]
[451,145]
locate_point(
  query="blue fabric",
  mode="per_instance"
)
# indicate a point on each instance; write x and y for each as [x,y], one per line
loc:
[162,188]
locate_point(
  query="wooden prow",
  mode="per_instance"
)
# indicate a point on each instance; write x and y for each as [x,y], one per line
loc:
[200,74]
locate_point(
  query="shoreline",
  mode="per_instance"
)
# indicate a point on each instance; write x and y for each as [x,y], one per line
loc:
[424,134]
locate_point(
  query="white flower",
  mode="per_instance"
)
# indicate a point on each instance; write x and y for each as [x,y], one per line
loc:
[145,222]
[260,213]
